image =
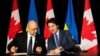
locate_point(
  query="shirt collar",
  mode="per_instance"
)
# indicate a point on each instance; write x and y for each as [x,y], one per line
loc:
[29,35]
[57,33]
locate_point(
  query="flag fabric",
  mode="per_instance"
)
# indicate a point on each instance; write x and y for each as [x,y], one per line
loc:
[88,34]
[70,23]
[49,14]
[32,13]
[15,25]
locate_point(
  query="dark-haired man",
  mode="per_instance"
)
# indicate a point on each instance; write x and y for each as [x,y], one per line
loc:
[60,40]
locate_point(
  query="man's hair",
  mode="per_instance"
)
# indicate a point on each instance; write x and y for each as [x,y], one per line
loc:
[52,20]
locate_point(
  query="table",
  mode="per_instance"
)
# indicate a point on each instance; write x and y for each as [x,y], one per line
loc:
[64,54]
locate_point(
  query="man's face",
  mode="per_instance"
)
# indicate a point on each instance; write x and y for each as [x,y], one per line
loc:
[32,28]
[53,27]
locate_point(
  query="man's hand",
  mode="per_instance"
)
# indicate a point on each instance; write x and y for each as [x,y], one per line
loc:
[13,49]
[39,49]
[55,51]
[51,52]
[58,50]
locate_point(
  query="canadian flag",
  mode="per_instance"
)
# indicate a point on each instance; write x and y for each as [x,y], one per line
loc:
[15,25]
[88,34]
[49,14]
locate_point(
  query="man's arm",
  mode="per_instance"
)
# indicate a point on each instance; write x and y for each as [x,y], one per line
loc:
[41,45]
[12,46]
[68,43]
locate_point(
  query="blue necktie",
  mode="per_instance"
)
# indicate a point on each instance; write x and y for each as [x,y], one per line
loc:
[57,40]
[30,46]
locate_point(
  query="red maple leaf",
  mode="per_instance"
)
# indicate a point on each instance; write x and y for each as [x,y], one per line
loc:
[87,30]
[13,29]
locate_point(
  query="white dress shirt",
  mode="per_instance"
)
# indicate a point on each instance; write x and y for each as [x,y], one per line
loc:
[33,40]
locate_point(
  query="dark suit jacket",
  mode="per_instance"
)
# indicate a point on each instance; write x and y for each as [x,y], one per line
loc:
[21,42]
[65,39]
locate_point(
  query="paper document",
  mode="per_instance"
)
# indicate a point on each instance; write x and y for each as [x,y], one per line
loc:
[19,54]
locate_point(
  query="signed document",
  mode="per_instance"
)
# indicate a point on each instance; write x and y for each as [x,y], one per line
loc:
[19,54]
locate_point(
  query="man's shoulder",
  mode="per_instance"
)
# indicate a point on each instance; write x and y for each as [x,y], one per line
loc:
[21,33]
[64,30]
[38,36]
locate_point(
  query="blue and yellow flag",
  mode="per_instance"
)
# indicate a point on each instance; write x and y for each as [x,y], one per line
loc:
[32,13]
[70,23]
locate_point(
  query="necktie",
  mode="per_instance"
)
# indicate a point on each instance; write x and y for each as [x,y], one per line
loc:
[30,46]
[57,40]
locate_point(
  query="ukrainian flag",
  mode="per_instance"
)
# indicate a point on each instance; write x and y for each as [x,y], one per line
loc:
[70,23]
[32,13]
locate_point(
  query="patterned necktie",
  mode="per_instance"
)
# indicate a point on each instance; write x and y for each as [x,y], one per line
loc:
[30,46]
[57,40]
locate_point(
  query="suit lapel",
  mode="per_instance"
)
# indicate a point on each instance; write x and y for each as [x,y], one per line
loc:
[35,43]
[60,36]
[53,41]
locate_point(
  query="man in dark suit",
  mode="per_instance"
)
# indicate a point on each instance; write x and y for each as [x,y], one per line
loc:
[29,41]
[60,40]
